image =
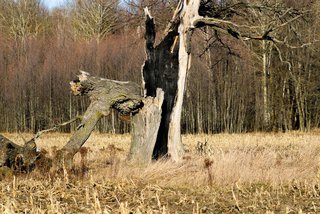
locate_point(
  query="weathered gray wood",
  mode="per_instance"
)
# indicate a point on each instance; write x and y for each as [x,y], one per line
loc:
[104,94]
[16,157]
[145,126]
[188,13]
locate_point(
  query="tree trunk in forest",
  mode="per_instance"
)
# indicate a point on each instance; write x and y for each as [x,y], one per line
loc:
[265,107]
[165,67]
[125,98]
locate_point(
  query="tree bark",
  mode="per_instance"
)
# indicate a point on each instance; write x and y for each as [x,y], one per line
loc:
[160,70]
[104,94]
[16,157]
[145,126]
[166,67]
[264,83]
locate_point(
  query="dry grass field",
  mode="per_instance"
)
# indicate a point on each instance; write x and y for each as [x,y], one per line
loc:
[232,173]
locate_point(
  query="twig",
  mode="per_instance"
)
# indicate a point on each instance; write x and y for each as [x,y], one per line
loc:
[235,199]
[56,127]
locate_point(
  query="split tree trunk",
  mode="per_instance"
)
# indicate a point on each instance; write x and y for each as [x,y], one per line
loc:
[126,99]
[161,70]
[166,67]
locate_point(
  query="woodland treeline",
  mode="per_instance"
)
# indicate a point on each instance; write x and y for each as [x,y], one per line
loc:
[232,86]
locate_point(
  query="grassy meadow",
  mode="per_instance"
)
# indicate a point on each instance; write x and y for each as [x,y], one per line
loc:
[232,173]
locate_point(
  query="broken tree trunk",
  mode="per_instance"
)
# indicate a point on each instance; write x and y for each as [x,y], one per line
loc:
[145,126]
[104,94]
[161,70]
[166,67]
[188,12]
[126,99]
[16,157]
[167,63]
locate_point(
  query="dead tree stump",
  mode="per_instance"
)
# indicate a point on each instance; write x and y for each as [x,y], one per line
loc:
[16,157]
[145,126]
[161,70]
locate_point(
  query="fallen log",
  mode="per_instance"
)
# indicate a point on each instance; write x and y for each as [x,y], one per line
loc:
[25,158]
[16,157]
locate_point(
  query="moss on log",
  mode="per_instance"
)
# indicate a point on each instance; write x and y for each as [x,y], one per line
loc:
[104,94]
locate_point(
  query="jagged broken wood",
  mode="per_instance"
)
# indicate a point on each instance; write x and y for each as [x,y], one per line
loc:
[167,63]
[16,157]
[165,67]
[161,70]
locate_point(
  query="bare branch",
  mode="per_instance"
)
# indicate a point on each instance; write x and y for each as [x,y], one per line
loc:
[39,133]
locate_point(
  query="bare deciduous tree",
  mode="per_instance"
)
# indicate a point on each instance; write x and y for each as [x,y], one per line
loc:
[95,18]
[23,18]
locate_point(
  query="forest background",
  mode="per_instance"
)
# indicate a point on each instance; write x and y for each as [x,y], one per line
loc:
[231,87]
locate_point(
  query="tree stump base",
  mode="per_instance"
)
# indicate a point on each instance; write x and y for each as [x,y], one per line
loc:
[20,158]
[145,126]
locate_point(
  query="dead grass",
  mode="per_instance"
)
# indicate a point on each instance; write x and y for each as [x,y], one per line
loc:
[245,173]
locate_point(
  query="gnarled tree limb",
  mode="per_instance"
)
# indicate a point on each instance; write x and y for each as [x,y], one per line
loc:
[104,94]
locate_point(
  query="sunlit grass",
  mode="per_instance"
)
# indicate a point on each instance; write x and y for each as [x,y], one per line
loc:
[246,173]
